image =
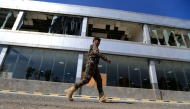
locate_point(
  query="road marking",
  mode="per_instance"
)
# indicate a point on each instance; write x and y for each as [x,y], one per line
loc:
[85,96]
[186,102]
[94,97]
[116,99]
[21,92]
[53,94]
[145,100]
[38,93]
[173,101]
[159,101]
[133,99]
[5,91]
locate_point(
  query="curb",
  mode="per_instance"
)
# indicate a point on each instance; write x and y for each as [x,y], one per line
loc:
[95,97]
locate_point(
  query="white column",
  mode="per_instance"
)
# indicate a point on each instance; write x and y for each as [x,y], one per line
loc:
[19,21]
[153,80]
[152,69]
[79,67]
[152,73]
[84,26]
[2,55]
[146,35]
[81,54]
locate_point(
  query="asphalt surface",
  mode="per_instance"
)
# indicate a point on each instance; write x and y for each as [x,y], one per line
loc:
[26,101]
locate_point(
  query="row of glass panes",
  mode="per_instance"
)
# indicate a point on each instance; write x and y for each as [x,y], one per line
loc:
[40,64]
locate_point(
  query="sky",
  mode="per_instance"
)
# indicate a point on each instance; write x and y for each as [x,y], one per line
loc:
[170,8]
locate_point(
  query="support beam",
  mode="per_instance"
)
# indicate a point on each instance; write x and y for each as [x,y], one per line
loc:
[19,21]
[79,67]
[188,34]
[166,36]
[2,55]
[52,22]
[84,26]
[81,54]
[175,39]
[152,73]
[7,17]
[183,39]
[153,79]
[146,35]
[155,33]
[152,69]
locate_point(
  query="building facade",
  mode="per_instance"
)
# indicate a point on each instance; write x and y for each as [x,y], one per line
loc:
[49,42]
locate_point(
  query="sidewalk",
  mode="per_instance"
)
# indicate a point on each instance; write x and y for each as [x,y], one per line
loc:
[30,101]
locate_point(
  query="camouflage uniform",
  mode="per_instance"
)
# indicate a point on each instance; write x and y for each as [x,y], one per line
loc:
[92,68]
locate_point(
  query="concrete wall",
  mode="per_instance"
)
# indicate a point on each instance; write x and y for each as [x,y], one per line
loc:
[122,92]
[138,37]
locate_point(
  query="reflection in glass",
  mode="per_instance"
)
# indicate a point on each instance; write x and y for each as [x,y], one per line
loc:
[102,66]
[8,65]
[40,64]
[59,66]
[46,66]
[71,67]
[170,75]
[29,72]
[112,79]
[123,74]
[186,67]
[84,62]
[173,75]
[144,71]
[21,64]
[134,72]
[1,48]
[181,80]
[34,64]
[161,77]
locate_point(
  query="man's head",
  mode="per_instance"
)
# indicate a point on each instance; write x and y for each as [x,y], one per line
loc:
[96,41]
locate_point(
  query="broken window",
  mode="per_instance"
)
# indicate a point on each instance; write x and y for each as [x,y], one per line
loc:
[7,18]
[49,23]
[169,36]
[113,29]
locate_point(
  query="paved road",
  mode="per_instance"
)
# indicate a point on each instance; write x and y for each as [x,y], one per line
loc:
[18,101]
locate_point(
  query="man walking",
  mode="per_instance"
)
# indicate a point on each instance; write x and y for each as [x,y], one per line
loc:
[91,71]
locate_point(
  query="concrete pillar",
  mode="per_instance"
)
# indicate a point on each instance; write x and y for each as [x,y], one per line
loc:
[153,80]
[19,21]
[84,26]
[81,54]
[152,69]
[79,67]
[152,73]
[2,55]
[146,35]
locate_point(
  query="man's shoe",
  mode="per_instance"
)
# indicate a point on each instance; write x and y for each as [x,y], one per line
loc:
[103,99]
[69,92]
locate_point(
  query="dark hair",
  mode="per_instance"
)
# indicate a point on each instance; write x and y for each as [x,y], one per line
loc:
[97,38]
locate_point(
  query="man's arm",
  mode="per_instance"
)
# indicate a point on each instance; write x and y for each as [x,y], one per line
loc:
[96,51]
